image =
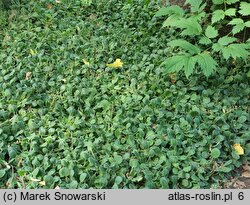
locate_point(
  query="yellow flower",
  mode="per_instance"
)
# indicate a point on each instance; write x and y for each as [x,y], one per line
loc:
[238,149]
[117,64]
[42,183]
[32,52]
[85,62]
[34,180]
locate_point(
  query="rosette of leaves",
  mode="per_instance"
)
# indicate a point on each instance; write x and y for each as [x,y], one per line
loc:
[200,40]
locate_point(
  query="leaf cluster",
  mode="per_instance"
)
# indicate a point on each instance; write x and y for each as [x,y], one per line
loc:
[76,125]
[201,43]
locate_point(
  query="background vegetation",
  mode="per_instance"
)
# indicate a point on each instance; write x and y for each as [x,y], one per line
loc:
[69,119]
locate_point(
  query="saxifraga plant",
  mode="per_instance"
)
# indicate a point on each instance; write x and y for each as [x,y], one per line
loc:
[202,44]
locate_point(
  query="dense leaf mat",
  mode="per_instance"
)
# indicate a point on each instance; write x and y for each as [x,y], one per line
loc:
[68,120]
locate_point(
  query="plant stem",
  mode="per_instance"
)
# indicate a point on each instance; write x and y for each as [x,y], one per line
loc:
[225,5]
[244,34]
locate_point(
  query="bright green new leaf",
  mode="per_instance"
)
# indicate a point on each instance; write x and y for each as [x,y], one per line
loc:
[231,1]
[230,12]
[238,28]
[217,16]
[218,1]
[184,45]
[247,24]
[236,21]
[211,32]
[244,8]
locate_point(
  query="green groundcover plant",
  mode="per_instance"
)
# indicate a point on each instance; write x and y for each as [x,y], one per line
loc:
[85,102]
[202,43]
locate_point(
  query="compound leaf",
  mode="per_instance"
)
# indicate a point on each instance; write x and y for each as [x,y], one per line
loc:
[217,16]
[244,8]
[184,45]
[224,41]
[211,32]
[207,63]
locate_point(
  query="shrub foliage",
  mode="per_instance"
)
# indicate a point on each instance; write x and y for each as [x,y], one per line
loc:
[203,40]
[69,119]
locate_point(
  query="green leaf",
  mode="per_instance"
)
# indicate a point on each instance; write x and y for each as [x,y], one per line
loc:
[83,177]
[2,173]
[215,153]
[207,63]
[189,68]
[164,11]
[164,182]
[230,12]
[105,104]
[224,169]
[195,4]
[244,8]
[187,169]
[205,41]
[235,51]
[185,182]
[247,24]
[236,21]
[211,32]
[170,21]
[184,45]
[231,1]
[133,163]
[118,180]
[218,1]
[73,184]
[48,179]
[64,172]
[217,16]
[226,40]
[242,119]
[118,159]
[238,28]
[248,74]
[191,26]
[175,63]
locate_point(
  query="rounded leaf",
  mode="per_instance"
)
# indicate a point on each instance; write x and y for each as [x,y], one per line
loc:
[215,153]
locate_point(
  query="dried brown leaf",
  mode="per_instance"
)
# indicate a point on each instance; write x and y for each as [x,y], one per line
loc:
[245,174]
[28,75]
[246,167]
[239,184]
